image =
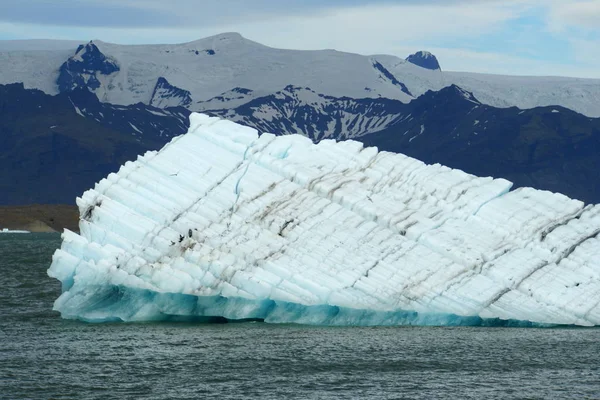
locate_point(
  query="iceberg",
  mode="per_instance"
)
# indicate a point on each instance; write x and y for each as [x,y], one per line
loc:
[6,230]
[226,223]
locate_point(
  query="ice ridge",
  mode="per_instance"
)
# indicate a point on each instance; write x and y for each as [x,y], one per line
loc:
[226,223]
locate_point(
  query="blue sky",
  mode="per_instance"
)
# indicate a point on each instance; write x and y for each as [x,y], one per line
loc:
[530,37]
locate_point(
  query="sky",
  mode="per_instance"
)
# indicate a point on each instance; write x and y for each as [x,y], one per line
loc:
[518,37]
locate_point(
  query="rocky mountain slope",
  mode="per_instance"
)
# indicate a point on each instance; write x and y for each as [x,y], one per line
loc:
[425,60]
[101,104]
[550,148]
[58,146]
[53,147]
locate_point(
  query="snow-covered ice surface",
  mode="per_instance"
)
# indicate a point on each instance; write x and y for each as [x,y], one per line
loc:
[37,69]
[578,94]
[211,68]
[224,222]
[581,95]
[38,44]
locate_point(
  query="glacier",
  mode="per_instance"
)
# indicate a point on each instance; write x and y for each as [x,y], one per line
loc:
[212,67]
[224,222]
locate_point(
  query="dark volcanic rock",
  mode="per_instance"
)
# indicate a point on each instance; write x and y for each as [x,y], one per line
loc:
[303,111]
[81,70]
[167,95]
[52,148]
[389,76]
[424,59]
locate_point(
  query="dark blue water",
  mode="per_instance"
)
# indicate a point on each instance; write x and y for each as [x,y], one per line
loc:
[45,357]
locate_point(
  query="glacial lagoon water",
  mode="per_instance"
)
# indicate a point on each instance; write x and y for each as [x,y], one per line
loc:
[45,357]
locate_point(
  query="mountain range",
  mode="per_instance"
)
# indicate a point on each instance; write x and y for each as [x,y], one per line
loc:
[199,71]
[80,110]
[53,147]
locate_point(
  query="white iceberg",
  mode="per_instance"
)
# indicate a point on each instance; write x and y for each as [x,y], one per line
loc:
[225,223]
[6,230]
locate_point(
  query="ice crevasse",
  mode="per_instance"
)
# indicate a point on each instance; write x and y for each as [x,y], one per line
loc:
[224,222]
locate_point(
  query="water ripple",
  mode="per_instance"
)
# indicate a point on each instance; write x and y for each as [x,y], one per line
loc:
[43,356]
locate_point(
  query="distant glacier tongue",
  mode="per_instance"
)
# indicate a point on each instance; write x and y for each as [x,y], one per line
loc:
[225,223]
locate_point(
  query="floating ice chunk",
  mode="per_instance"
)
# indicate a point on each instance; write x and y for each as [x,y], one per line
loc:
[6,230]
[225,223]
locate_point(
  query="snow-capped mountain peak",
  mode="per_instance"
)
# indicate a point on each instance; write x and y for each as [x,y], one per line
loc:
[210,67]
[424,54]
[85,68]
[166,95]
[465,94]
[424,59]
[225,38]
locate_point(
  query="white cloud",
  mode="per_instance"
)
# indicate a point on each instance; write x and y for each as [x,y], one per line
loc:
[575,14]
[401,30]
[586,52]
[378,29]
[344,26]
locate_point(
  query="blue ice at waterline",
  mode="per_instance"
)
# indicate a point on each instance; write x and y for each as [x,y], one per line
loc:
[226,223]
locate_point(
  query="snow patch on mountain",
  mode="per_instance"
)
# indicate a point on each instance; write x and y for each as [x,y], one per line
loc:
[36,69]
[304,111]
[238,62]
[85,68]
[229,99]
[210,67]
[581,95]
[387,75]
[166,95]
[39,45]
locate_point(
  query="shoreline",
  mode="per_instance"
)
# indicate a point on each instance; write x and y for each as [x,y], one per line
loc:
[39,218]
